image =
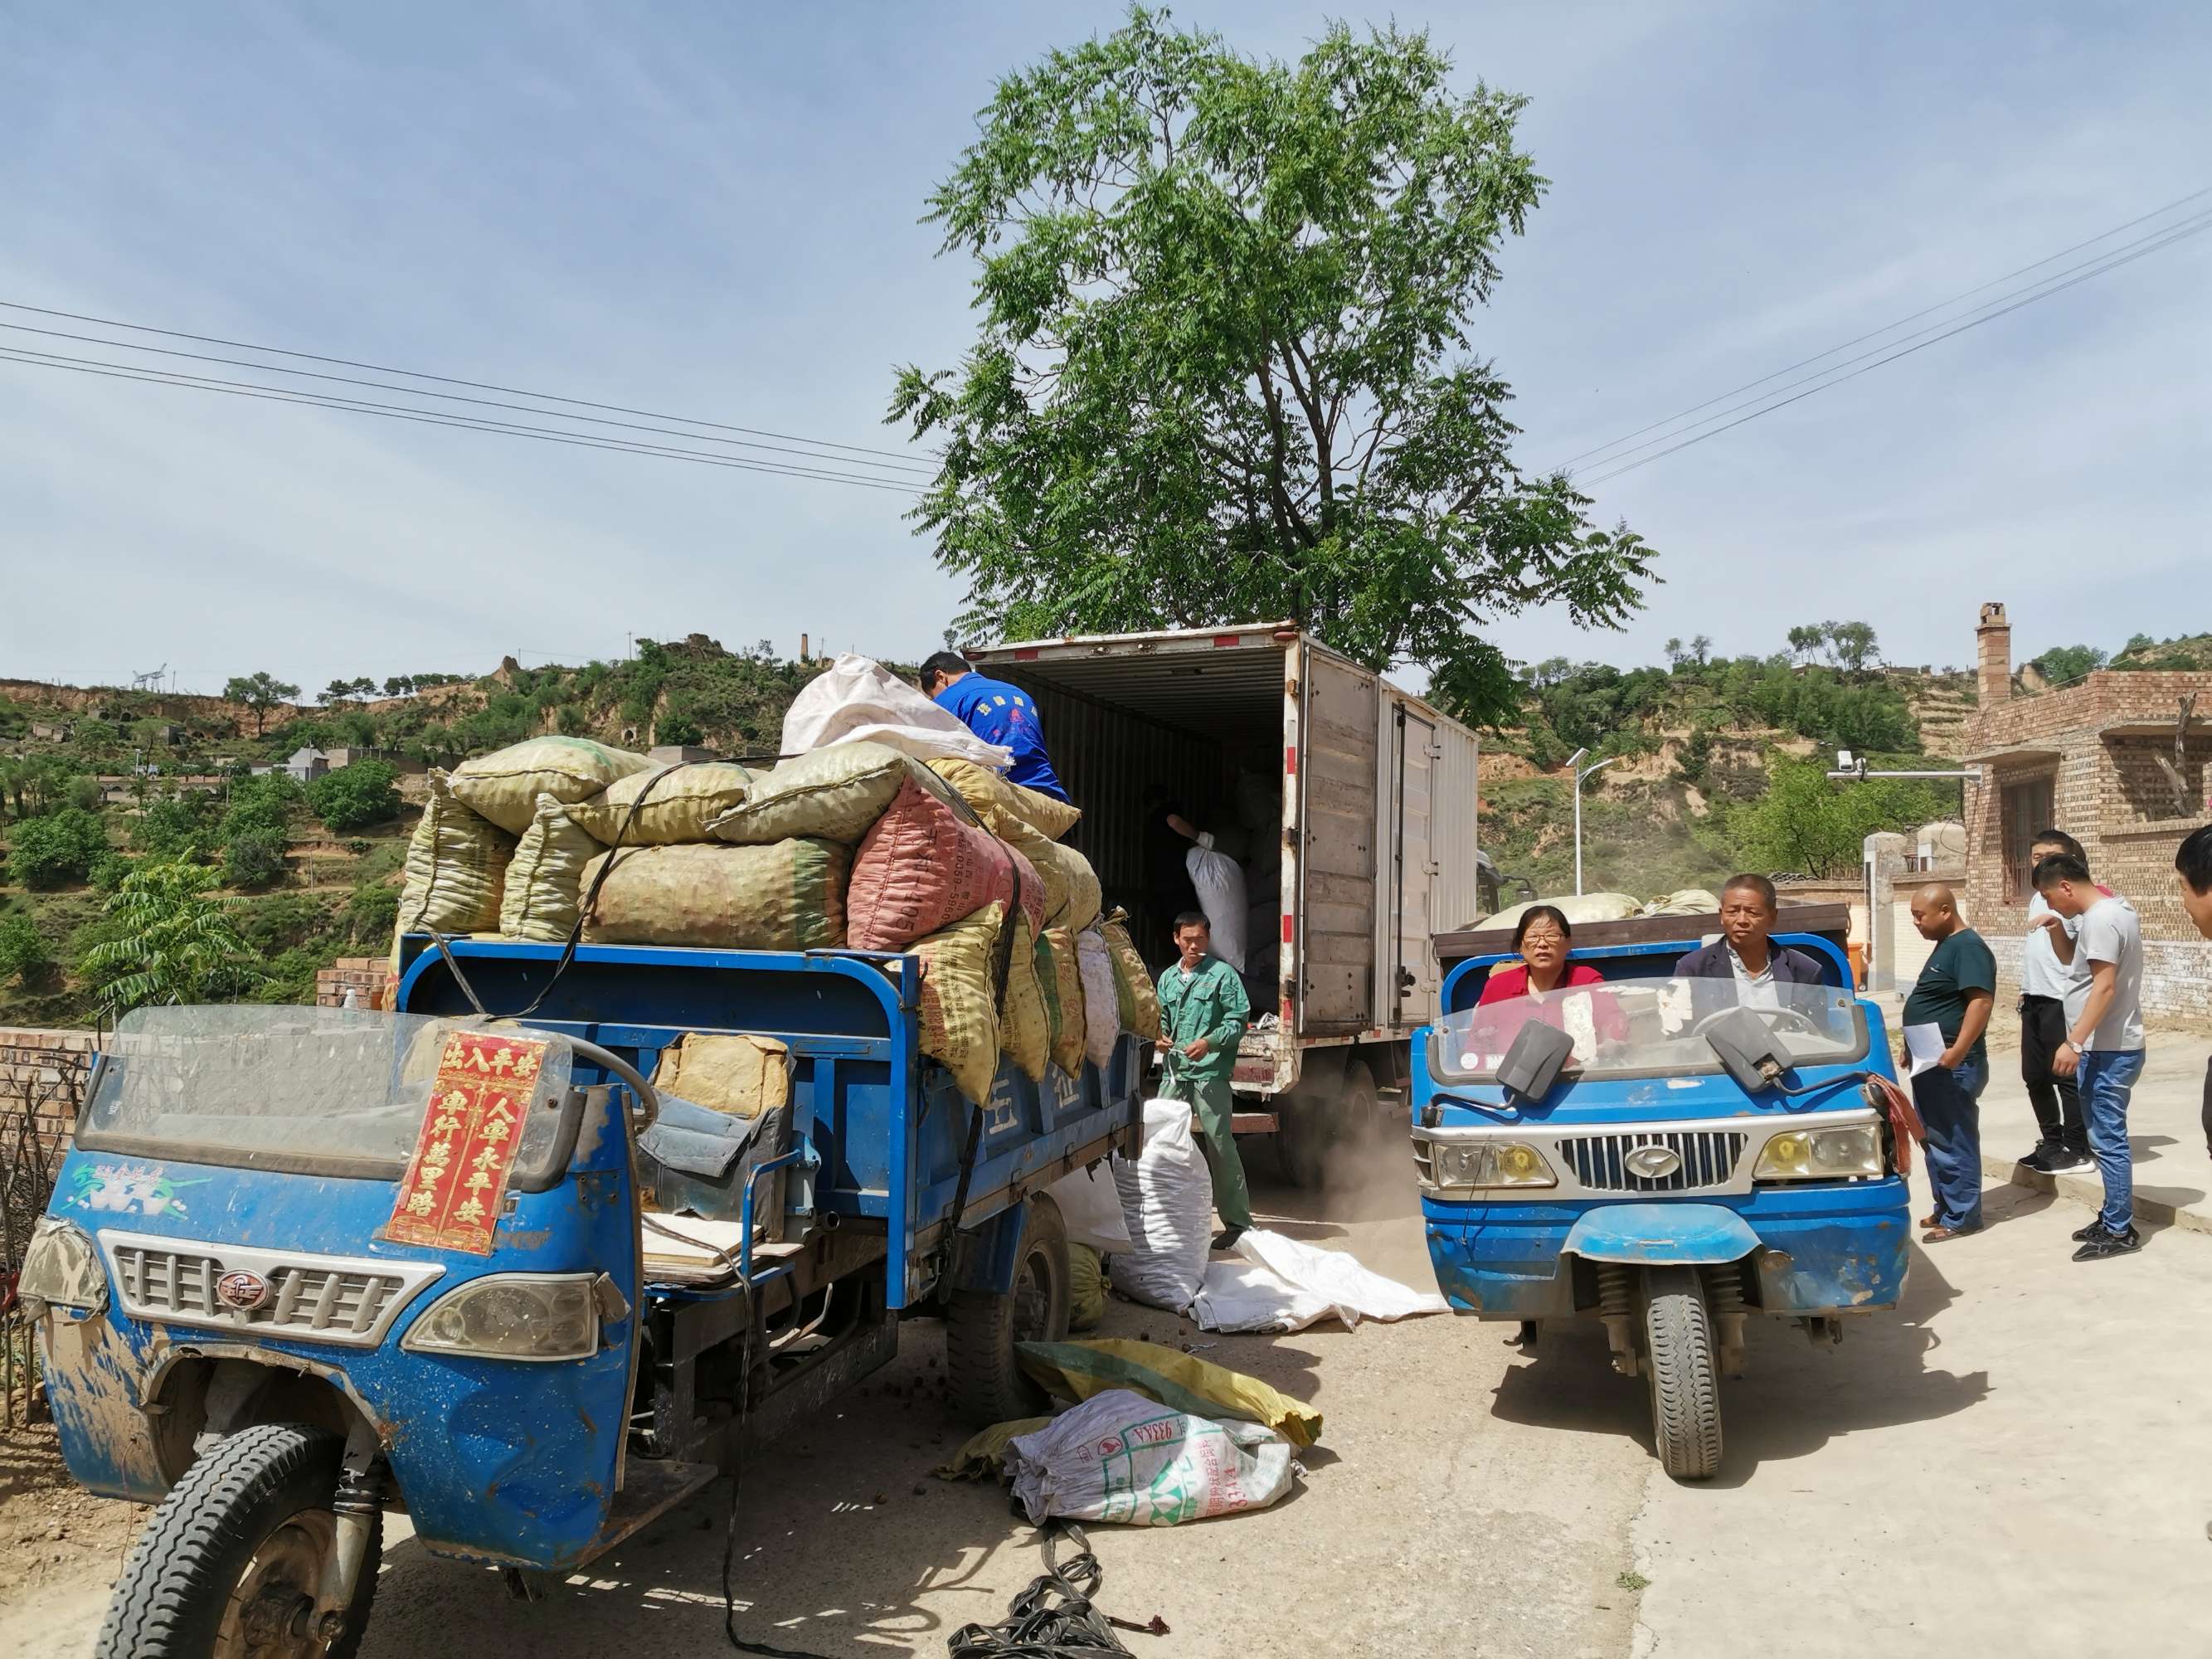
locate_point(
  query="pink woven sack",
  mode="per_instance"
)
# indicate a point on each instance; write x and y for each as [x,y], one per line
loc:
[921,868]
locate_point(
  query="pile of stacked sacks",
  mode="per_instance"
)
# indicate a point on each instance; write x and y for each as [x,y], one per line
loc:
[854,845]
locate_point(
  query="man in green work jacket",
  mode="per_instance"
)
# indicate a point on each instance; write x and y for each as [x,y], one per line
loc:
[1203,1014]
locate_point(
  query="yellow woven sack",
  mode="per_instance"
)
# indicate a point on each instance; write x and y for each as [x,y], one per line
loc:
[959,1026]
[545,879]
[1180,1382]
[1067,875]
[737,1073]
[986,1450]
[680,802]
[504,785]
[456,869]
[1024,1025]
[1134,994]
[790,896]
[836,793]
[995,799]
[1068,1038]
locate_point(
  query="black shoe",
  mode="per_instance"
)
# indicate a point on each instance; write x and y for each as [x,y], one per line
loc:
[1227,1238]
[2044,1160]
[2083,1235]
[2071,1160]
[2102,1244]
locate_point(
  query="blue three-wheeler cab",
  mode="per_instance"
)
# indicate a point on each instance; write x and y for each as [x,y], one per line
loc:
[1654,1154]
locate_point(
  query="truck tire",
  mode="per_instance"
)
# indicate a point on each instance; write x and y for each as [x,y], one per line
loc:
[235,1550]
[981,1327]
[1339,1111]
[1685,1391]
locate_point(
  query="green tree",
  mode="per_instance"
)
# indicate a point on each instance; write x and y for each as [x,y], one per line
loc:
[254,858]
[1811,824]
[53,851]
[1852,645]
[24,956]
[176,941]
[2062,664]
[264,804]
[259,692]
[177,826]
[1223,369]
[355,796]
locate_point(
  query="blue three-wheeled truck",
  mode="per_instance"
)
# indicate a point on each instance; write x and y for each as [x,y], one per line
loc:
[306,1266]
[1667,1155]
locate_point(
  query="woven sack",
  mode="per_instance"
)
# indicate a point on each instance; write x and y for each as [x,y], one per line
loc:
[504,785]
[959,1026]
[1067,1038]
[456,868]
[1135,995]
[836,793]
[1101,1018]
[545,879]
[921,867]
[680,802]
[788,896]
[1024,1025]
[996,799]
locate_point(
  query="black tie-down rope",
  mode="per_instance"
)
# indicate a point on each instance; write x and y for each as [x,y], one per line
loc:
[1054,1618]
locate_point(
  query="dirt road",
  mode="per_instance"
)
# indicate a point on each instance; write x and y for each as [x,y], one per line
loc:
[2015,1462]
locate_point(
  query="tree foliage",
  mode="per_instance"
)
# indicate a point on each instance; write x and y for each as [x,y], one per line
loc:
[1811,824]
[177,826]
[2065,663]
[1224,370]
[53,850]
[24,957]
[260,692]
[355,796]
[175,942]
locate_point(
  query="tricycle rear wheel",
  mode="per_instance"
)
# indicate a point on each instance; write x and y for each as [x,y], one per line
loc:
[981,1327]
[229,1563]
[1679,1361]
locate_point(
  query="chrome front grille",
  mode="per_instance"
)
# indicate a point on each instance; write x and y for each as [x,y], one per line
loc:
[1600,1162]
[320,1298]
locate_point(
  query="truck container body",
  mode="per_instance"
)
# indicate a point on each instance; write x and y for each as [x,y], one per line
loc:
[1356,833]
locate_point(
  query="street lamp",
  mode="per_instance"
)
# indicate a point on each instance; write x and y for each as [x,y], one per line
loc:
[1582,775]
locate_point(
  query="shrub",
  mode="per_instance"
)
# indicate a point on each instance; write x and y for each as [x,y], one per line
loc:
[176,826]
[255,858]
[23,954]
[49,852]
[108,871]
[373,913]
[357,795]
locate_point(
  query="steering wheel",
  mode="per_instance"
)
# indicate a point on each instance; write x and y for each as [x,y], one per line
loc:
[1805,1023]
[648,1103]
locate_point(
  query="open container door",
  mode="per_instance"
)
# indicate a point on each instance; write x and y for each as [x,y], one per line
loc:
[1340,734]
[1410,991]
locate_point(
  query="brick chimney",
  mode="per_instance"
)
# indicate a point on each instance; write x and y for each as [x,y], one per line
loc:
[1992,656]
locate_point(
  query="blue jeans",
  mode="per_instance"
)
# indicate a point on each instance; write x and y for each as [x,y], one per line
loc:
[1950,1110]
[2106,1078]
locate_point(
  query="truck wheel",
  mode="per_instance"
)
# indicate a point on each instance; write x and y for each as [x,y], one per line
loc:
[1685,1391]
[981,1327]
[1303,1132]
[229,1565]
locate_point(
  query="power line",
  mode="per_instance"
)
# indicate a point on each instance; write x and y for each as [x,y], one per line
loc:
[429,417]
[2185,228]
[458,397]
[1889,328]
[2169,238]
[443,380]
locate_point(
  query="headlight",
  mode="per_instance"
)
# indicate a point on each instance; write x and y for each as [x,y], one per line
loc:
[61,1269]
[1489,1164]
[1822,1154]
[513,1316]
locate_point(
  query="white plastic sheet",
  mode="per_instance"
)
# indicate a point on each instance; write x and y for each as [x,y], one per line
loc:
[1278,1283]
[1090,1209]
[1121,1457]
[857,697]
[1220,886]
[1167,1204]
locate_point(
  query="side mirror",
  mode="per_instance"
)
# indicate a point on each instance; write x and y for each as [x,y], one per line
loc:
[1532,1064]
[1748,1050]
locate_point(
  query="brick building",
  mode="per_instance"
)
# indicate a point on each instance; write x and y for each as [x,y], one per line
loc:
[2098,760]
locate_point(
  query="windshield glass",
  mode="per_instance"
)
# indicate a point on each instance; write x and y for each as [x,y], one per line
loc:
[1650,1027]
[336,1089]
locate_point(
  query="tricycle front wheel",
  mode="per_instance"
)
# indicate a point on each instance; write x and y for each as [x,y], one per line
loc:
[1680,1361]
[981,1327]
[229,1564]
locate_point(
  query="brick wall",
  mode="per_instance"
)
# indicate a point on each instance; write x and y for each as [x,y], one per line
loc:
[43,1072]
[367,977]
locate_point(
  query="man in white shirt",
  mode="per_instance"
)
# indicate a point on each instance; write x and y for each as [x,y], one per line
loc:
[2104,1046]
[2046,983]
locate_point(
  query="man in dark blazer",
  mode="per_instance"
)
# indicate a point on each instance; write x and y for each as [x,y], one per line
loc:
[1749,910]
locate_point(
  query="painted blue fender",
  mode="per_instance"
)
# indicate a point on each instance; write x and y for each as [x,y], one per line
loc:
[1687,1234]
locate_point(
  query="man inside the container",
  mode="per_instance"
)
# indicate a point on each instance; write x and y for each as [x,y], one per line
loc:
[997,712]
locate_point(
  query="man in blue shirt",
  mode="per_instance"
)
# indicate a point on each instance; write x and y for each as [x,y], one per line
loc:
[997,712]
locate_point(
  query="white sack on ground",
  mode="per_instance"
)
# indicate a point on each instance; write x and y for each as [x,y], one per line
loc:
[1121,1457]
[1281,1284]
[1090,1209]
[858,698]
[1167,1204]
[1220,886]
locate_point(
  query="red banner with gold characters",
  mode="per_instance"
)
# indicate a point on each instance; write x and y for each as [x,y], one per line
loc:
[457,1180]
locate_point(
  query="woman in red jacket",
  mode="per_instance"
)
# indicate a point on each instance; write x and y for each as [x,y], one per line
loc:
[1544,937]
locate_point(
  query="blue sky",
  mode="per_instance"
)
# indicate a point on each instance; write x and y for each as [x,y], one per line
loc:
[712,209]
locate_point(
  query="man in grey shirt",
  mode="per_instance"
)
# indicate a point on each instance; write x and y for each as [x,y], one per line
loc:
[2104,1046]
[2046,982]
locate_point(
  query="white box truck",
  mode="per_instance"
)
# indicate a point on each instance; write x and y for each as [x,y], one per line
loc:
[1354,803]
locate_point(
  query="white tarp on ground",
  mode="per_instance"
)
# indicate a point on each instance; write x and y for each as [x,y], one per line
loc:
[856,698]
[1280,1284]
[1122,1457]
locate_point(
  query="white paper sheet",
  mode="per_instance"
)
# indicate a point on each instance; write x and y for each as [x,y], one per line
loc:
[1924,1045]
